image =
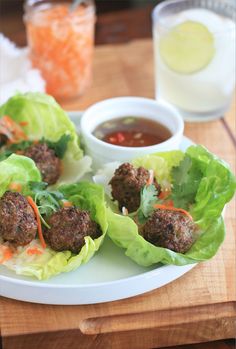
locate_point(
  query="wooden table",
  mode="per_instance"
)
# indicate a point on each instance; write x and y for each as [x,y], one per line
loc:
[198,307]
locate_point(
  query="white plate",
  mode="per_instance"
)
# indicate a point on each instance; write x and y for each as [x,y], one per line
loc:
[109,276]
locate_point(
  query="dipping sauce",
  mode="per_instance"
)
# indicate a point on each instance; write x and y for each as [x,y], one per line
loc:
[132,132]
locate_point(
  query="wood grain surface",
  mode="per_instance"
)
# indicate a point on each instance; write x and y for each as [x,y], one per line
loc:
[198,307]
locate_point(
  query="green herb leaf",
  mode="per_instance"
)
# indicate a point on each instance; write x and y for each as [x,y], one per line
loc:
[13,148]
[60,146]
[47,201]
[186,179]
[19,146]
[148,199]
[37,186]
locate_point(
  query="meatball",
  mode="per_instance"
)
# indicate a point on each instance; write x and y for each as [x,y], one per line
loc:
[18,224]
[169,229]
[127,184]
[68,228]
[46,160]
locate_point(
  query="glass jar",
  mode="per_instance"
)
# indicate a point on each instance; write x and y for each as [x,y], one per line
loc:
[61,42]
[194,44]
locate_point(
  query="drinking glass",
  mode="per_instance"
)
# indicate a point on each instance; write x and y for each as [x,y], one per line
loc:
[194,49]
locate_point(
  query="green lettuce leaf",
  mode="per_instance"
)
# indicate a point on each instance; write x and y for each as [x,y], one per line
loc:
[160,163]
[18,169]
[44,118]
[214,185]
[216,188]
[85,195]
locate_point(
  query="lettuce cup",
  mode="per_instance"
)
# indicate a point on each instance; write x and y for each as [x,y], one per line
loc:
[47,232]
[167,207]
[34,125]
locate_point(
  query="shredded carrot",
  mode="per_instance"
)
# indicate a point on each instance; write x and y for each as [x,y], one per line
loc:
[14,127]
[35,250]
[23,123]
[68,54]
[171,208]
[67,204]
[7,254]
[15,186]
[11,130]
[164,194]
[169,203]
[35,208]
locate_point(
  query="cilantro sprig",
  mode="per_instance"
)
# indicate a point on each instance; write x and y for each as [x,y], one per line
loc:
[186,179]
[47,201]
[60,146]
[21,146]
[13,148]
[148,198]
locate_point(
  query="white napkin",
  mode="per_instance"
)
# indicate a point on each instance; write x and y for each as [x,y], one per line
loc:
[16,72]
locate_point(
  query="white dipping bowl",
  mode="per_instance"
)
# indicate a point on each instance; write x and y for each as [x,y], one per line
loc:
[109,109]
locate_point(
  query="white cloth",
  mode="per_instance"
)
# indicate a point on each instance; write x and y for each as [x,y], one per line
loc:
[16,72]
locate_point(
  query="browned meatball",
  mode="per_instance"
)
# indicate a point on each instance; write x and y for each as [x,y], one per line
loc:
[169,229]
[126,185]
[17,219]
[68,228]
[46,160]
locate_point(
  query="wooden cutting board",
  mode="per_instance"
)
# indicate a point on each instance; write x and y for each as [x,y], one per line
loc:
[198,307]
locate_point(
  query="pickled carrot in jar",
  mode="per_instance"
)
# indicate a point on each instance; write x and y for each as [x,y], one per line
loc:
[61,45]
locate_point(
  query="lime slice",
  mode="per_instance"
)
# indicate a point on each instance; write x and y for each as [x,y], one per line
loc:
[188,47]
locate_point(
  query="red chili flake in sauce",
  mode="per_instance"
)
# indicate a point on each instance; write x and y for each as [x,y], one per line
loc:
[132,132]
